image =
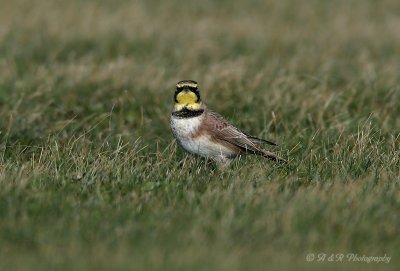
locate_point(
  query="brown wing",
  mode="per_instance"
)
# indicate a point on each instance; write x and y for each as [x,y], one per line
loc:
[226,133]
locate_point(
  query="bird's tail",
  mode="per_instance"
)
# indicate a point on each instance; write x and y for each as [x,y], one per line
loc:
[272,156]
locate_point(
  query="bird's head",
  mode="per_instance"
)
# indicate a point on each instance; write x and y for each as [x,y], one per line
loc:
[187,95]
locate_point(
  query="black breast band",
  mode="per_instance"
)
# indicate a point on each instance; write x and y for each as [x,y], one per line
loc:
[187,113]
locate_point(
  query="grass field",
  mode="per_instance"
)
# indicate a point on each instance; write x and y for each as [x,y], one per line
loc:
[91,178]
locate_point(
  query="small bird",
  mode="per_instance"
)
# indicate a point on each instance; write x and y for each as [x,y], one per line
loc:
[201,131]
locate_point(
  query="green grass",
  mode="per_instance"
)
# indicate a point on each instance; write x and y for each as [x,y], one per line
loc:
[91,178]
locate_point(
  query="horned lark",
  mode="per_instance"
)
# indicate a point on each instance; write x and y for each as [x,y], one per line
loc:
[203,132]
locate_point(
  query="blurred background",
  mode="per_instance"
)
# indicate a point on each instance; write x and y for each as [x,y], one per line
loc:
[76,58]
[90,175]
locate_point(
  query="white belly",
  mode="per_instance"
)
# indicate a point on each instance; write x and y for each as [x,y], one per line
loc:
[184,129]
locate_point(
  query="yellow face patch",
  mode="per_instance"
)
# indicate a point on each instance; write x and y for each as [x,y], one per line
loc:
[187,99]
